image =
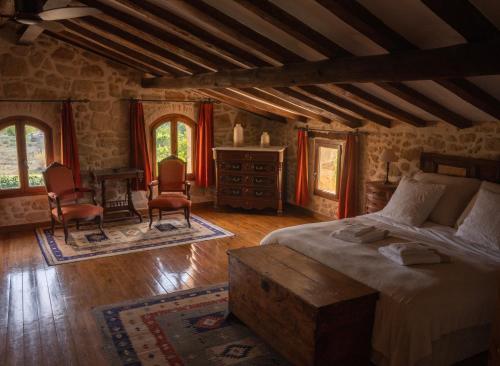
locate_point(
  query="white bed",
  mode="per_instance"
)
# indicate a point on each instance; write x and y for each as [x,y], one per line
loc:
[433,314]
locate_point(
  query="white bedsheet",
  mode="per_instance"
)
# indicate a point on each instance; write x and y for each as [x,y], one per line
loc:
[418,304]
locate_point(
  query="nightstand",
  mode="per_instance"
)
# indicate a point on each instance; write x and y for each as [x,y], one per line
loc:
[377,194]
[494,354]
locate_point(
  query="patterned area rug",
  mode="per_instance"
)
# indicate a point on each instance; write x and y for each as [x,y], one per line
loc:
[124,237]
[184,328]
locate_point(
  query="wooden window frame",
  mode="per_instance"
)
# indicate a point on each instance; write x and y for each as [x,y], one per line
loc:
[20,123]
[173,119]
[333,145]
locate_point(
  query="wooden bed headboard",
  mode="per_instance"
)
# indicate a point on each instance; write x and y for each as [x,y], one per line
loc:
[461,166]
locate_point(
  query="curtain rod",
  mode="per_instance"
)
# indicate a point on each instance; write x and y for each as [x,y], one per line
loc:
[44,100]
[355,132]
[209,100]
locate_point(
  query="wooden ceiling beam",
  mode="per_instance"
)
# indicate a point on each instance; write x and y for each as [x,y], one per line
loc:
[433,107]
[238,31]
[159,36]
[116,47]
[303,32]
[445,62]
[355,93]
[237,103]
[154,11]
[343,117]
[358,17]
[284,103]
[192,33]
[137,44]
[465,18]
[276,16]
[262,104]
[344,103]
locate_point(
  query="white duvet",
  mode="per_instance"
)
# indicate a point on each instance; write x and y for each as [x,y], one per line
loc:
[418,304]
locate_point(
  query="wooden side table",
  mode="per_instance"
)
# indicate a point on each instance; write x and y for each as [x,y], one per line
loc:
[377,194]
[494,353]
[101,176]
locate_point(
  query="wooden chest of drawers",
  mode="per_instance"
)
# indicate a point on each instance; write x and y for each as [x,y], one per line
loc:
[251,178]
[377,194]
[310,313]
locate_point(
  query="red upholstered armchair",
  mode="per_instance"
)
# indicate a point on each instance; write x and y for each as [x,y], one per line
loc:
[63,199]
[173,189]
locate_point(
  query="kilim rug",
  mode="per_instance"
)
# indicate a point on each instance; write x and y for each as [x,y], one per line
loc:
[183,328]
[124,237]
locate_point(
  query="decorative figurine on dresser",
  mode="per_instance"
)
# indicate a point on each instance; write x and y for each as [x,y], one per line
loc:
[250,177]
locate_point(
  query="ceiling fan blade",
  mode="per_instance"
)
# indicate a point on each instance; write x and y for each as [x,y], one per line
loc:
[30,34]
[52,26]
[68,13]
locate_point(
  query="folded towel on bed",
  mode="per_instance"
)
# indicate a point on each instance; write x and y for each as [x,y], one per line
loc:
[357,233]
[407,254]
[355,229]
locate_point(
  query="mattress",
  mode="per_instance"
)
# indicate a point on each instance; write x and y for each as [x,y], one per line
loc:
[418,305]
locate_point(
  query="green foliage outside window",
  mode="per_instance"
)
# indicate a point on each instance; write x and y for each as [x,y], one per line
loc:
[182,141]
[163,142]
[12,181]
[163,134]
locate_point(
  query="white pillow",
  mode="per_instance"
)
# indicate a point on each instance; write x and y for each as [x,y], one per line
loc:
[412,202]
[492,187]
[456,196]
[482,225]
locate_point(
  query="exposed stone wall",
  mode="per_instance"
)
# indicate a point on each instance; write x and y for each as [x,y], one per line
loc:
[480,141]
[51,69]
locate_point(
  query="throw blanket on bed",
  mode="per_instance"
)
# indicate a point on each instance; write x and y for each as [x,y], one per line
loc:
[418,304]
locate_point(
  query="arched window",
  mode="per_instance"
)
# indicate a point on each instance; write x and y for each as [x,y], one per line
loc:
[25,151]
[173,134]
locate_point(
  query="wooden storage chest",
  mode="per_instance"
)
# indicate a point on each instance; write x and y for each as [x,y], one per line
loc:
[250,177]
[308,312]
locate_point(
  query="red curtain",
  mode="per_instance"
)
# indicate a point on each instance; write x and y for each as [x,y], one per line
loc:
[301,180]
[69,146]
[204,171]
[139,157]
[349,177]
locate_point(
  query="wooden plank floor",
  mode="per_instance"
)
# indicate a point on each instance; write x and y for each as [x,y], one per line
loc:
[45,316]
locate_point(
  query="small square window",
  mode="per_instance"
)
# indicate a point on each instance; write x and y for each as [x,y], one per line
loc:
[327,159]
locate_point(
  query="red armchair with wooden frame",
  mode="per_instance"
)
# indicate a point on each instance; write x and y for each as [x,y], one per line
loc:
[173,189]
[63,199]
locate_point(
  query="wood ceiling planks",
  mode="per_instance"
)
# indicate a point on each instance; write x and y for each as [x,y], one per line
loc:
[358,17]
[166,41]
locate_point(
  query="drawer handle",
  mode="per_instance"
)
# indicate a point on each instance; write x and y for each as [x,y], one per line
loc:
[259,193]
[264,285]
[259,167]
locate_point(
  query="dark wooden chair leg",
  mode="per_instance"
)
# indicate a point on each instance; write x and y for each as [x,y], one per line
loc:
[150,211]
[186,215]
[99,224]
[77,224]
[52,224]
[65,225]
[160,215]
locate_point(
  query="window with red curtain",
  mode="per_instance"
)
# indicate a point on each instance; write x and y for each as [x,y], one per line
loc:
[348,185]
[301,180]
[69,145]
[139,157]
[204,172]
